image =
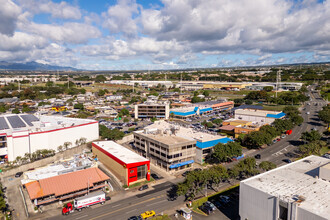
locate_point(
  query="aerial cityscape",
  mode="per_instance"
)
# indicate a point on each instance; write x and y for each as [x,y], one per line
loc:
[165,109]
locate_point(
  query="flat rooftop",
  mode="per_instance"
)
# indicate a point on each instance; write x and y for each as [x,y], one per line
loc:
[256,112]
[120,152]
[37,123]
[297,179]
[180,132]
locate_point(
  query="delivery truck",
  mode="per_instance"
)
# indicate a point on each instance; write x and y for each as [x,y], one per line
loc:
[84,202]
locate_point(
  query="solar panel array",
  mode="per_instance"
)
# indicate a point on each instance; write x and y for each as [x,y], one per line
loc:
[29,119]
[15,122]
[3,124]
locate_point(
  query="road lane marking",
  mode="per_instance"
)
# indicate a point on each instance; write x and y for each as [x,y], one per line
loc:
[83,216]
[116,205]
[109,213]
[132,211]
[157,202]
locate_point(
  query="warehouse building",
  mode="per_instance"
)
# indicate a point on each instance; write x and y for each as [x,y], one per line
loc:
[258,116]
[201,108]
[296,191]
[24,133]
[174,147]
[66,186]
[128,166]
[152,110]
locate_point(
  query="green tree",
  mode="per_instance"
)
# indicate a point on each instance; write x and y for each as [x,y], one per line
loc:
[124,111]
[114,134]
[79,106]
[126,120]
[223,152]
[283,124]
[311,148]
[100,78]
[101,92]
[311,136]
[256,139]
[324,114]
[206,93]
[267,165]
[247,168]
[268,88]
[2,109]
[15,111]
[217,121]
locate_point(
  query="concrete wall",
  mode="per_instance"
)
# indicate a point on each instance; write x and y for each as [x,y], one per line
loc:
[303,214]
[255,204]
[112,165]
[199,155]
[46,161]
[25,142]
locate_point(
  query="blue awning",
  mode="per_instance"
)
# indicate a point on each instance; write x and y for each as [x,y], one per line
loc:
[205,110]
[212,143]
[279,115]
[181,164]
[183,113]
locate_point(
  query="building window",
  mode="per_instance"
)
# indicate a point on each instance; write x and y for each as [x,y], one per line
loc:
[207,151]
[283,215]
[184,147]
[131,171]
[189,146]
[141,172]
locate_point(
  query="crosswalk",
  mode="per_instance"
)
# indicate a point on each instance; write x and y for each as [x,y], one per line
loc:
[281,152]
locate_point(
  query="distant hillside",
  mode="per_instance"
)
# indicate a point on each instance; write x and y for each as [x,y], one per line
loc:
[32,66]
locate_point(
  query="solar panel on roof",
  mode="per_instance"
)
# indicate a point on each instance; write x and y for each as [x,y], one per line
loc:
[29,119]
[3,124]
[16,122]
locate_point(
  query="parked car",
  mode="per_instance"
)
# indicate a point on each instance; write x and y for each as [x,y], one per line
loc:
[283,136]
[211,205]
[224,199]
[144,187]
[287,161]
[18,174]
[257,156]
[185,173]
[135,218]
[155,176]
[148,214]
[206,209]
[326,155]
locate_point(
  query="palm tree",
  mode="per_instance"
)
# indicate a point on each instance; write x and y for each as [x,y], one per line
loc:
[66,145]
[60,148]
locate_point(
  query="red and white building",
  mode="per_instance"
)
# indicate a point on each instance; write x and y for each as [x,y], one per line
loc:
[128,166]
[24,133]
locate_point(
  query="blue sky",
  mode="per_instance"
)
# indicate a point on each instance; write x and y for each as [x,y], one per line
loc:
[164,34]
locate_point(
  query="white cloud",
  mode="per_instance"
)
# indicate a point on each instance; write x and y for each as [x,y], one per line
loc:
[9,13]
[70,32]
[119,17]
[21,42]
[57,10]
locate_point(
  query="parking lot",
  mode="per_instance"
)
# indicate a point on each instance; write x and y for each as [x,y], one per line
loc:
[226,205]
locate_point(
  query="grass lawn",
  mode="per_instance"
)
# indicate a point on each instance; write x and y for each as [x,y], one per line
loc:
[161,217]
[324,150]
[277,107]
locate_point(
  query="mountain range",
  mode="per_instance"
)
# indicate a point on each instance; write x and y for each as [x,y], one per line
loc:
[32,66]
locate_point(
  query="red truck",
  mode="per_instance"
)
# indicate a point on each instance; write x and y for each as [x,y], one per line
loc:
[84,202]
[288,132]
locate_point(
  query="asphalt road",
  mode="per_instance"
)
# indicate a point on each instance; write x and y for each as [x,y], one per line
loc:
[156,198]
[285,148]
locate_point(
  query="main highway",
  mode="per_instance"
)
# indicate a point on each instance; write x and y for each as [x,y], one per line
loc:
[156,197]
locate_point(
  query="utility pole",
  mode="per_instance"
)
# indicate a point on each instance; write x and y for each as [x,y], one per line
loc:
[133,82]
[181,83]
[278,80]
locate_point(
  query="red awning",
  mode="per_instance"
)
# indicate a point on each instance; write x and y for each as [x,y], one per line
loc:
[6,157]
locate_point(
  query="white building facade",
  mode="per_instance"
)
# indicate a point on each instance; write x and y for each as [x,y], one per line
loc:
[258,116]
[296,191]
[44,132]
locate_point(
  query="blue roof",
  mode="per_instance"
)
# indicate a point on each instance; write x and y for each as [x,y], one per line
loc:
[205,110]
[208,144]
[181,164]
[195,109]
[279,115]
[183,113]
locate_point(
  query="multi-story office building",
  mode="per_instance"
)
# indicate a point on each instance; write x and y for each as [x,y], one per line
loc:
[296,191]
[185,145]
[152,110]
[166,149]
